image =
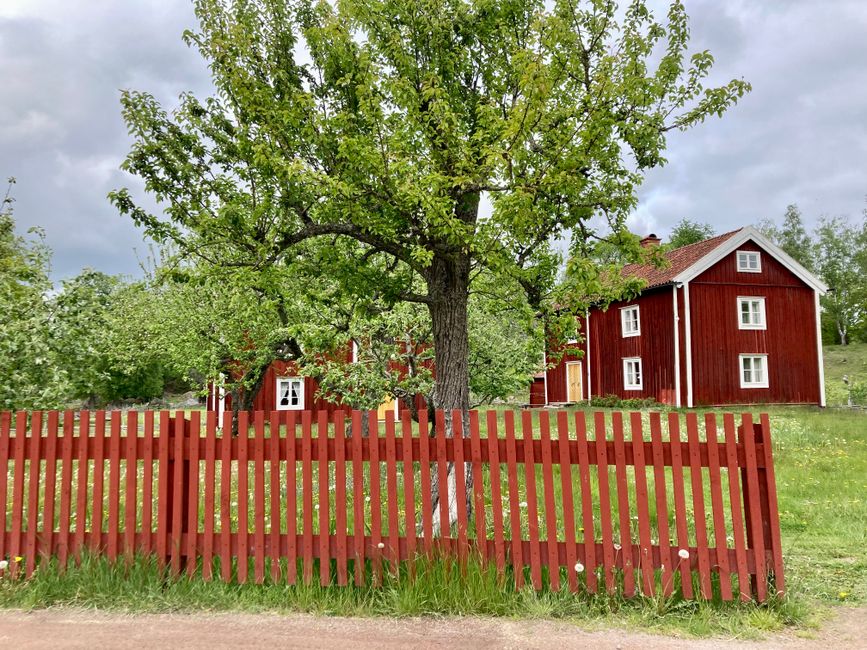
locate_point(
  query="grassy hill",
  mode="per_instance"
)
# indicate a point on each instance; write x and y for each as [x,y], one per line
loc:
[849,360]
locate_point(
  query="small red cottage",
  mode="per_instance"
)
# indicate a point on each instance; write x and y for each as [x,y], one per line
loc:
[730,320]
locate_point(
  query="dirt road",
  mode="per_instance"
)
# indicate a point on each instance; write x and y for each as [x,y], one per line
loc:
[75,628]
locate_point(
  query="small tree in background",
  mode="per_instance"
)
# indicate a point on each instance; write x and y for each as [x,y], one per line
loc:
[687,232]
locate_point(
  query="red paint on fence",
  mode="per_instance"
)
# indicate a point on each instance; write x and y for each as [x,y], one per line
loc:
[35,449]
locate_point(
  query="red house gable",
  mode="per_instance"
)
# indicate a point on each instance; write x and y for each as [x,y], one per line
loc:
[714,326]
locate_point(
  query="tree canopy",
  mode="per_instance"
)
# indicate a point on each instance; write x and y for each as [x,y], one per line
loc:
[388,124]
[687,232]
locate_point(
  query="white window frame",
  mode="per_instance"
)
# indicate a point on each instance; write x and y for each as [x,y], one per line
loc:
[763,319]
[624,319]
[639,385]
[745,268]
[290,407]
[763,383]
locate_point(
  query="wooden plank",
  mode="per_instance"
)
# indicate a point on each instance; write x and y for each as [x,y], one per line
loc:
[291,499]
[375,498]
[147,482]
[46,549]
[408,488]
[716,498]
[307,496]
[259,497]
[679,504]
[192,495]
[623,510]
[604,501]
[131,489]
[550,502]
[532,504]
[392,548]
[565,460]
[226,499]
[496,492]
[773,506]
[586,501]
[645,554]
[5,440]
[514,499]
[358,499]
[274,500]
[243,556]
[340,497]
[442,482]
[460,488]
[66,542]
[659,486]
[424,444]
[33,491]
[209,502]
[114,486]
[324,498]
[698,507]
[752,507]
[177,497]
[98,482]
[16,545]
[478,487]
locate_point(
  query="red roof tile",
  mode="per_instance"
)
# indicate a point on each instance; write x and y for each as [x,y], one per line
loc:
[679,260]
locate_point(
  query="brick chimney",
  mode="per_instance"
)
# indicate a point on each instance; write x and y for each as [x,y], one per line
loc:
[650,241]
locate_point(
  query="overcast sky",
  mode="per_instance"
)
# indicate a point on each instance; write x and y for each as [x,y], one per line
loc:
[800,136]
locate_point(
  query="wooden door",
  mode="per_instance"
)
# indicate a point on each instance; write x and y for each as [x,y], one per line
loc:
[388,405]
[574,387]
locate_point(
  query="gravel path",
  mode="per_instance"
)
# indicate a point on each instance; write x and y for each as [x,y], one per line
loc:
[76,628]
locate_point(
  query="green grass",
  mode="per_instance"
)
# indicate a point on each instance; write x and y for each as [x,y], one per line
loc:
[849,360]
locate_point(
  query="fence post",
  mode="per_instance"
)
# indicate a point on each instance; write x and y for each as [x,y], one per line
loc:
[762,500]
[176,508]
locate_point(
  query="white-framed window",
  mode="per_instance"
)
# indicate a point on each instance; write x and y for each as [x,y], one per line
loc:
[751,313]
[630,321]
[290,394]
[632,375]
[749,262]
[754,370]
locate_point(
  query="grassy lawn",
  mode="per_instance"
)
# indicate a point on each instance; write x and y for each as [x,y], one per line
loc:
[821,461]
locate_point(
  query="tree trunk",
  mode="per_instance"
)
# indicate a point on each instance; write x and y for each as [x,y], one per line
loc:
[842,331]
[448,288]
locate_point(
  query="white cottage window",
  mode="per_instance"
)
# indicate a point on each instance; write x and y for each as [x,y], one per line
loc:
[290,394]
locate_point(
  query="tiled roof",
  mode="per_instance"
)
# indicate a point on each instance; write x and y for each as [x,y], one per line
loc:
[679,260]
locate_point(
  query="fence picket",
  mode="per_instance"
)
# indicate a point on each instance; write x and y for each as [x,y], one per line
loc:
[532,504]
[274,501]
[210,479]
[33,492]
[684,565]
[163,481]
[66,543]
[478,487]
[442,494]
[15,544]
[375,499]
[752,507]
[358,500]
[772,517]
[645,551]
[623,510]
[307,496]
[514,500]
[460,487]
[5,435]
[392,549]
[550,507]
[564,457]
[698,506]
[291,498]
[737,519]
[586,501]
[226,499]
[131,489]
[324,499]
[148,482]
[340,496]
[192,496]
[716,499]
[176,490]
[46,549]
[604,500]
[424,444]
[114,445]
[259,497]
[496,492]
[661,494]
[409,487]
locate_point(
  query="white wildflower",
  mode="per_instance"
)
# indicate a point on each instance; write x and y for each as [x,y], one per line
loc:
[367,499]
[523,504]
[683,554]
[380,545]
[3,565]
[579,568]
[316,507]
[617,547]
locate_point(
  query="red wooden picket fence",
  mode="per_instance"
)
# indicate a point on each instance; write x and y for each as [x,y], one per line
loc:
[587,508]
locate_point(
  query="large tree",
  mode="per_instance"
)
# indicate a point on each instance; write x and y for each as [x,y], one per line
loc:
[391,122]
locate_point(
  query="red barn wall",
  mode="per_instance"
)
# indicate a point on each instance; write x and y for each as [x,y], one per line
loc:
[789,340]
[655,346]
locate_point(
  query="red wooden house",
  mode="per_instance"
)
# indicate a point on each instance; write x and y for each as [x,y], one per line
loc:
[730,320]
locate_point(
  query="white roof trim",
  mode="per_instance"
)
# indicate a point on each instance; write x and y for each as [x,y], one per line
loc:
[732,244]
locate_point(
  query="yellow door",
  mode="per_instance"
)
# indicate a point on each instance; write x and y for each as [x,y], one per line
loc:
[387,405]
[574,390]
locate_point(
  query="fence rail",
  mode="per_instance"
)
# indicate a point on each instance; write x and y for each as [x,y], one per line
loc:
[587,508]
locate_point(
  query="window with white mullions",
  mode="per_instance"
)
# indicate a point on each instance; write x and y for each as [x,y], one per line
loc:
[751,313]
[754,370]
[290,394]
[749,262]
[632,375]
[630,321]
